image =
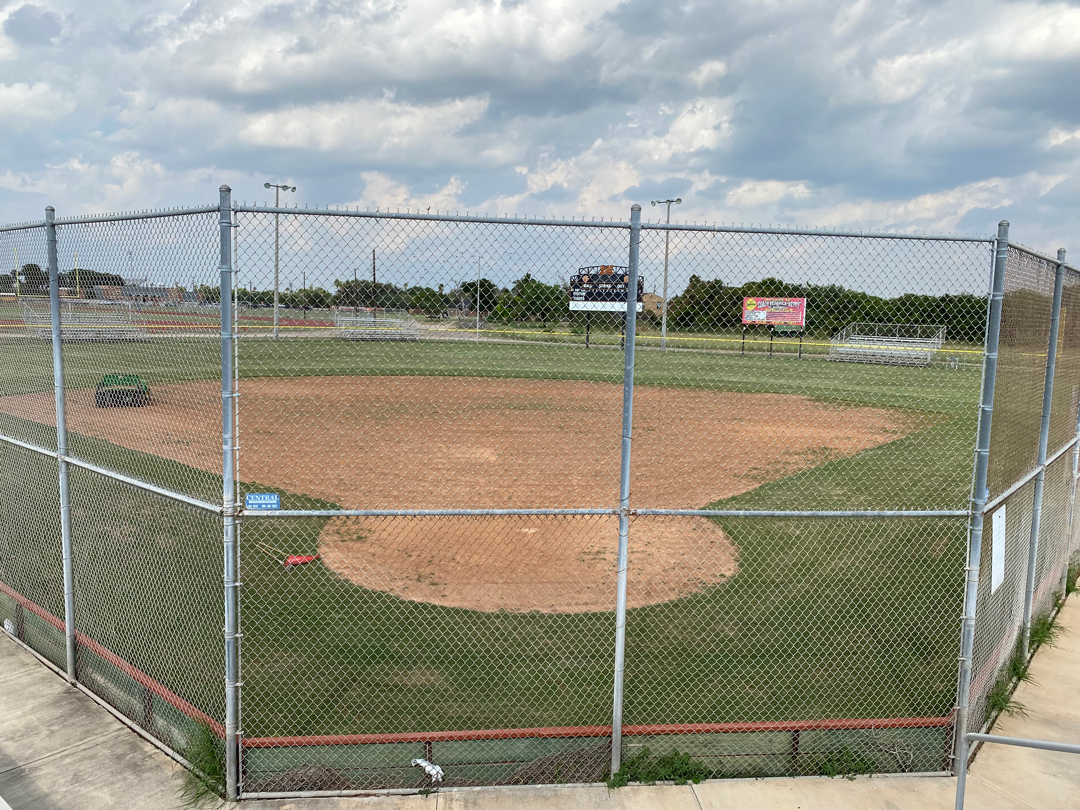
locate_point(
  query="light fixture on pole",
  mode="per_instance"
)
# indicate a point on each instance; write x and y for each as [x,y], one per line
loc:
[667,242]
[278,188]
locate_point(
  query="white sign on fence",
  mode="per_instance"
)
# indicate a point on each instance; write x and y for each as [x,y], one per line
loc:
[262,500]
[997,550]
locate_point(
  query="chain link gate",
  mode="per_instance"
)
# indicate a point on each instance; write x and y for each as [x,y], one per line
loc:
[439,548]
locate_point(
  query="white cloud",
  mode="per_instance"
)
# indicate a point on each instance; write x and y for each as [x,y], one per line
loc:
[888,115]
[382,191]
[755,193]
[1058,136]
[939,211]
[380,124]
[902,77]
[23,104]
[1035,32]
[708,72]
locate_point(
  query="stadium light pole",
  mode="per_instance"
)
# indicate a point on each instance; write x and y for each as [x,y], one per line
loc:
[667,242]
[278,188]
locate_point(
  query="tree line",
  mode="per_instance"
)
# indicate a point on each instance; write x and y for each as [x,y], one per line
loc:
[707,306]
[704,306]
[527,299]
[31,279]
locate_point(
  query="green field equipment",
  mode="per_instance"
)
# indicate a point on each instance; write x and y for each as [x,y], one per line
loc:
[121,391]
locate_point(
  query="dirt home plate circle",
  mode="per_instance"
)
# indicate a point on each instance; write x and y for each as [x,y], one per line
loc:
[386,442]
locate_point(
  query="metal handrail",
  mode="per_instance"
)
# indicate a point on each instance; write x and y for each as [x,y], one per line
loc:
[1042,745]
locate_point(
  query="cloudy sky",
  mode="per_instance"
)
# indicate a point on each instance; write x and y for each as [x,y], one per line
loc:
[929,115]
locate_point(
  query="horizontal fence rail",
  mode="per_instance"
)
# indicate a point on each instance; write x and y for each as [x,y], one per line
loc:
[604,731]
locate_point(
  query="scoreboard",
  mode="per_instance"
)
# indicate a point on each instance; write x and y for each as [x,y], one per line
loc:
[602,289]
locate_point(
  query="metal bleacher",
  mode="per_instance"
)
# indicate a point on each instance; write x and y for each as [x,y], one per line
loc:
[888,344]
[86,320]
[372,324]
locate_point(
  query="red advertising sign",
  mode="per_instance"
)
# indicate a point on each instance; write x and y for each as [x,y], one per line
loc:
[774,311]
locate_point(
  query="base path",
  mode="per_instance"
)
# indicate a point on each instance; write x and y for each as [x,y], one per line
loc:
[466,442]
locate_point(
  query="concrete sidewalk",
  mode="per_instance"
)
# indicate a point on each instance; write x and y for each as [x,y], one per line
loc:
[61,751]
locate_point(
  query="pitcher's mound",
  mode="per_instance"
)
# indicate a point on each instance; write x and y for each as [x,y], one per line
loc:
[550,564]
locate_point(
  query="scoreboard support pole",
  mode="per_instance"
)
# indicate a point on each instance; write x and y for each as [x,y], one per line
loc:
[588,327]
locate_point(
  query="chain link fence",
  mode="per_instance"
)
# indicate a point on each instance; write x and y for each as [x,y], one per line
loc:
[443,564]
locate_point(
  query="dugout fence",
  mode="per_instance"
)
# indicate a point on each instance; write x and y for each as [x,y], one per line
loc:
[471,539]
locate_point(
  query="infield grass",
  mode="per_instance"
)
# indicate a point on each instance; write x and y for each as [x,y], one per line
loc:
[825,618]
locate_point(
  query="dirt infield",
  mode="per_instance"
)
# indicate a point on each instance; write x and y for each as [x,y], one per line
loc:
[453,442]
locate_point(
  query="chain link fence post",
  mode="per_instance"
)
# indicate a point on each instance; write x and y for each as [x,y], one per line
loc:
[61,442]
[979,493]
[1072,487]
[228,492]
[624,486]
[1044,437]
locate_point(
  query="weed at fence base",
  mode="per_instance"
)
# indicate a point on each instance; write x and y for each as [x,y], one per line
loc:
[844,762]
[1044,630]
[206,753]
[673,766]
[1071,578]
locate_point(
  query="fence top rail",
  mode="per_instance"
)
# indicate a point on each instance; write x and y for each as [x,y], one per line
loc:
[820,232]
[1037,255]
[22,226]
[470,218]
[86,219]
[508,220]
[602,223]
[160,213]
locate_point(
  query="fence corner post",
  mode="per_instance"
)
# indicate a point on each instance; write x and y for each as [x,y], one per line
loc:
[979,496]
[61,445]
[624,486]
[228,501]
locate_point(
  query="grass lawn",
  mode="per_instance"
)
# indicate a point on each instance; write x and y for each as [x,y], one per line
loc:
[825,619]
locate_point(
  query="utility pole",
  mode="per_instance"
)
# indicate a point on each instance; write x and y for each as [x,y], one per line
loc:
[277,204]
[374,300]
[477,299]
[667,242]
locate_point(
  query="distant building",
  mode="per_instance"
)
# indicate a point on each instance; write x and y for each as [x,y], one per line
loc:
[651,302]
[143,294]
[108,293]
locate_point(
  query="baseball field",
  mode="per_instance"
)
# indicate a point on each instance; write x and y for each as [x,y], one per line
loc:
[443,623]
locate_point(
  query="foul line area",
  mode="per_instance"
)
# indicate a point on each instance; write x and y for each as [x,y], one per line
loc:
[546,732]
[779,341]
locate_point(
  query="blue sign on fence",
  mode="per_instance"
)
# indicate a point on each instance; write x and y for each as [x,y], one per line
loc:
[262,500]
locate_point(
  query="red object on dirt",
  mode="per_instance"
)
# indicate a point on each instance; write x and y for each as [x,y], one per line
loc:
[300,559]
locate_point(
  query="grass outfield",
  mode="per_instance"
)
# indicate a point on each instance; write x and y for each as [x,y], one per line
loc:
[825,619]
